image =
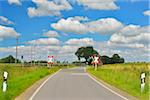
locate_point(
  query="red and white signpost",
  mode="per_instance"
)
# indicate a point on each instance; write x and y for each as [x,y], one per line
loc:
[96,61]
[50,61]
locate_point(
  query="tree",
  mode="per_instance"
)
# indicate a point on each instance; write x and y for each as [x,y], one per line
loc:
[106,60]
[116,59]
[85,52]
[9,59]
[80,53]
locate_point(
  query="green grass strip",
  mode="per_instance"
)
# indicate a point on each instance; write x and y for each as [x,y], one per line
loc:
[125,77]
[22,78]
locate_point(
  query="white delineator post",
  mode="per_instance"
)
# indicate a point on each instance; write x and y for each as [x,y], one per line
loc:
[5,75]
[142,81]
[22,61]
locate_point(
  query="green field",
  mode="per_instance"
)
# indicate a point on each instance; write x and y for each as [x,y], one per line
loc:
[125,77]
[20,78]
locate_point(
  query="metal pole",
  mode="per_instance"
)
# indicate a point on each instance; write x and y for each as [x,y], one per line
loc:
[16,49]
[34,53]
[31,55]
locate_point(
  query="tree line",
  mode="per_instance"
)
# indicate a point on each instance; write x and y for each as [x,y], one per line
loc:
[89,51]
[82,52]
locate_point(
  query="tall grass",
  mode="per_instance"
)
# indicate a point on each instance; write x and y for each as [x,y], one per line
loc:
[20,78]
[125,76]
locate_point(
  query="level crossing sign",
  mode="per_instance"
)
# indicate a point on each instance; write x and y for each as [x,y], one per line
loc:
[50,59]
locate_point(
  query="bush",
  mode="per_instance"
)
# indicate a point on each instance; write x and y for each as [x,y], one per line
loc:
[113,60]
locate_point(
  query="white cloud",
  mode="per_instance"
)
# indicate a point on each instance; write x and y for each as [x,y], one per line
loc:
[102,26]
[130,51]
[7,32]
[99,4]
[130,30]
[79,18]
[5,21]
[68,49]
[48,8]
[80,42]
[51,34]
[147,13]
[131,36]
[16,2]
[70,26]
[45,41]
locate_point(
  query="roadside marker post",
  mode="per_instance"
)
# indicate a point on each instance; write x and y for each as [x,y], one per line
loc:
[142,81]
[5,76]
[22,60]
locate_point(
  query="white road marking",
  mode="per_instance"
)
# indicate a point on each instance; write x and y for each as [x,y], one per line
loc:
[79,74]
[37,90]
[107,87]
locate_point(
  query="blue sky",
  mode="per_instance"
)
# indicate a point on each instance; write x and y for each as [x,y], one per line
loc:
[127,15]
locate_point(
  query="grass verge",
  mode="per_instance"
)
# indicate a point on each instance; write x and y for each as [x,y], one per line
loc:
[125,77]
[20,78]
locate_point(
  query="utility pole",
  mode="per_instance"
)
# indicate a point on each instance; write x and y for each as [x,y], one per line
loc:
[31,55]
[17,38]
[34,53]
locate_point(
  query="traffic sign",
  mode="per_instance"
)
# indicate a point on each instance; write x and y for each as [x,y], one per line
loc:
[50,59]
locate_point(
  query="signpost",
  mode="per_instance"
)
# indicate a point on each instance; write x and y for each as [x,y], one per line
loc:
[50,61]
[96,61]
[5,76]
[142,81]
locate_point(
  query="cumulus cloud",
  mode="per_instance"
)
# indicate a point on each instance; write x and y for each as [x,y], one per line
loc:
[44,41]
[131,36]
[7,32]
[5,21]
[67,50]
[80,42]
[15,2]
[79,18]
[51,34]
[102,26]
[147,13]
[70,26]
[48,8]
[99,4]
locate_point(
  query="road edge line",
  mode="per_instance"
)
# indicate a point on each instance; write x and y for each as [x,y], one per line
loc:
[37,90]
[94,79]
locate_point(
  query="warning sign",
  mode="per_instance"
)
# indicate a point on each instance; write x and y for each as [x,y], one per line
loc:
[50,60]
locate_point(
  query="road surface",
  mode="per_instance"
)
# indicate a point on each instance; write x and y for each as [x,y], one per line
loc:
[73,84]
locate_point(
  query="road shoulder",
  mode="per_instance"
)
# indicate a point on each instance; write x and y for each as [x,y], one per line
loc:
[112,88]
[30,91]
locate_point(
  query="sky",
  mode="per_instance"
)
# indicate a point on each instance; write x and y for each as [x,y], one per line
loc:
[60,27]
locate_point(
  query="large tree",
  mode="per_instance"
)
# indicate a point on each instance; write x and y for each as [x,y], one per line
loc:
[85,52]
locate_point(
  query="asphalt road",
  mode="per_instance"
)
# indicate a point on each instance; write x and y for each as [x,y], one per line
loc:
[73,84]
